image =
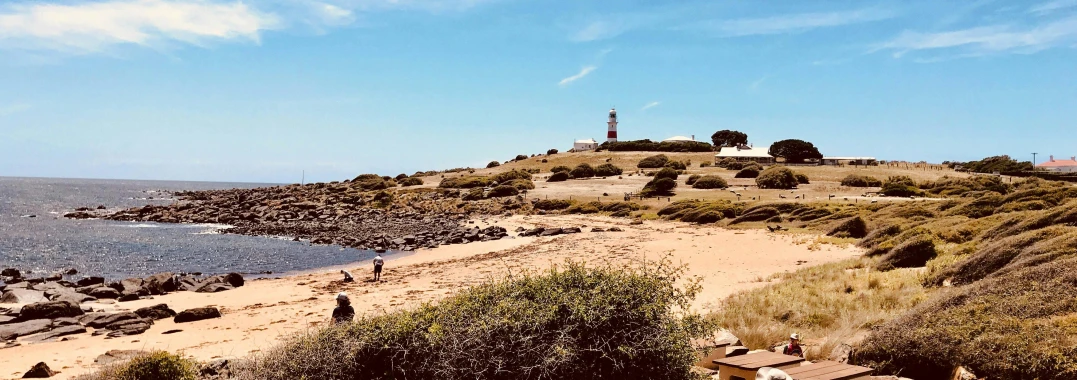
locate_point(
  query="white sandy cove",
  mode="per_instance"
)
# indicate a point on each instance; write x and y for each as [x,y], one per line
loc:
[258,315]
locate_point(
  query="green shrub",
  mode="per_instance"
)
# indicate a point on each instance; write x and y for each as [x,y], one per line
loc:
[551,152]
[651,146]
[465,182]
[666,173]
[582,171]
[584,208]
[475,194]
[552,204]
[659,186]
[521,184]
[802,178]
[560,168]
[733,164]
[900,186]
[757,214]
[692,179]
[369,182]
[411,181]
[520,157]
[705,164]
[710,182]
[156,365]
[854,227]
[608,170]
[776,177]
[748,172]
[952,186]
[570,322]
[503,191]
[912,253]
[511,175]
[694,211]
[856,180]
[493,164]
[400,176]
[558,177]
[676,165]
[653,162]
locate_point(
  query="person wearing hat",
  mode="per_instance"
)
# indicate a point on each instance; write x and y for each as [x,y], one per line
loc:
[344,312]
[793,349]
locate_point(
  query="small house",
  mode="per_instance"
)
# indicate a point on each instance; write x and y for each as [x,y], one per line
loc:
[744,153]
[1061,166]
[584,145]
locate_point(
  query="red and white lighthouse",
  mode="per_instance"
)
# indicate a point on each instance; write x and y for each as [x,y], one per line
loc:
[611,135]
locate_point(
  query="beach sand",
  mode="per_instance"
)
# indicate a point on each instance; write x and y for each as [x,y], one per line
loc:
[259,314]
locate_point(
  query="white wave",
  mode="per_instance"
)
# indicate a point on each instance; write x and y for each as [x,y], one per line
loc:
[140,225]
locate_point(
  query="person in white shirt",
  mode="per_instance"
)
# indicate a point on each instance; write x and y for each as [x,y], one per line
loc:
[378,262]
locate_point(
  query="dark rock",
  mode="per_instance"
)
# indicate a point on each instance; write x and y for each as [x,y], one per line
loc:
[88,318]
[39,371]
[112,356]
[50,310]
[597,229]
[67,321]
[520,229]
[551,232]
[197,314]
[35,280]
[173,331]
[72,271]
[92,280]
[105,292]
[65,294]
[56,333]
[54,277]
[615,229]
[116,285]
[5,319]
[127,297]
[14,330]
[215,368]
[160,283]
[128,327]
[23,296]
[234,279]
[103,322]
[571,230]
[533,232]
[11,272]
[214,288]
[159,311]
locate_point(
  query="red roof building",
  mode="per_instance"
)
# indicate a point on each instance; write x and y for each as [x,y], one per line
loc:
[1054,165]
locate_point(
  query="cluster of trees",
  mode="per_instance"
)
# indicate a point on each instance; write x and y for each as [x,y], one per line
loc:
[661,161]
[651,146]
[564,173]
[662,184]
[993,164]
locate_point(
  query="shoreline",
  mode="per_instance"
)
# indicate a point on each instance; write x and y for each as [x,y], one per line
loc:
[260,313]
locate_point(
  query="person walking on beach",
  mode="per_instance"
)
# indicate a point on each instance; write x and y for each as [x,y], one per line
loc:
[793,348]
[344,312]
[378,262]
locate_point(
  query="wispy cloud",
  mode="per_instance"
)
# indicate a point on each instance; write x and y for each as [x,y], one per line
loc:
[13,108]
[583,72]
[94,26]
[792,23]
[1051,6]
[754,86]
[983,40]
[650,105]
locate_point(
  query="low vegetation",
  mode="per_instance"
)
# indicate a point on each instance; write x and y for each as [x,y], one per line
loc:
[653,162]
[157,365]
[410,181]
[777,177]
[569,322]
[900,186]
[493,164]
[607,170]
[582,171]
[559,177]
[651,146]
[709,182]
[370,182]
[856,180]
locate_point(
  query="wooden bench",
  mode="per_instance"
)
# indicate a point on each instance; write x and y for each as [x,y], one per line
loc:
[827,370]
[744,367]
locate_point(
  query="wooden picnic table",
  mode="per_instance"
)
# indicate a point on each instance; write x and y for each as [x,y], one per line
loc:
[744,367]
[827,370]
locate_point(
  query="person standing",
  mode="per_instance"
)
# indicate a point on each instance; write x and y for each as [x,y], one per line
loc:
[343,313]
[378,262]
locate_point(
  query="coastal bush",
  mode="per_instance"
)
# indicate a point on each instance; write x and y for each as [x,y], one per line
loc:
[607,170]
[558,177]
[503,191]
[802,178]
[912,253]
[701,212]
[552,204]
[692,179]
[475,194]
[493,164]
[560,168]
[776,177]
[651,146]
[676,165]
[856,180]
[954,187]
[666,173]
[900,186]
[653,162]
[551,152]
[511,175]
[659,186]
[400,176]
[710,182]
[705,164]
[756,214]
[854,227]
[569,322]
[411,181]
[369,182]
[520,157]
[748,172]
[465,182]
[157,365]
[582,171]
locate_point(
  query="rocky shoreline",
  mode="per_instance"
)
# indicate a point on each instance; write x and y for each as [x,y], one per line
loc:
[342,213]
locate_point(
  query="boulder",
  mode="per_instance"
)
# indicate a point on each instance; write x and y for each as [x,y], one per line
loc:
[216,369]
[841,353]
[56,333]
[159,311]
[128,327]
[92,280]
[598,229]
[105,292]
[234,279]
[11,272]
[14,330]
[615,229]
[103,322]
[213,288]
[571,230]
[533,232]
[23,296]
[72,271]
[197,314]
[112,356]
[39,371]
[67,321]
[87,318]
[54,277]
[127,297]
[68,295]
[160,283]
[5,319]
[551,232]
[50,310]
[131,285]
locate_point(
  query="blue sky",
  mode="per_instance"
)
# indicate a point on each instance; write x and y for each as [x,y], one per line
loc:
[261,90]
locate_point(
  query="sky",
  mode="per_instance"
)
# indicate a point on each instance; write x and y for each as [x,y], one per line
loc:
[275,90]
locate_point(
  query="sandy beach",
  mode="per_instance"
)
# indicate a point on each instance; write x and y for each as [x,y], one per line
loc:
[258,315]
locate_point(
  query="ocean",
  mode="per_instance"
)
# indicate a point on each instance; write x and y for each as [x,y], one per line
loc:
[34,235]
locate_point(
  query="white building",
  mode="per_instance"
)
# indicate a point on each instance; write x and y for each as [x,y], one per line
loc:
[1062,166]
[680,139]
[849,161]
[745,153]
[582,145]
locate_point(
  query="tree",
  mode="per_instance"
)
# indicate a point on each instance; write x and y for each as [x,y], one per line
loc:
[582,171]
[727,137]
[795,150]
[999,164]
[551,152]
[520,157]
[493,164]
[777,177]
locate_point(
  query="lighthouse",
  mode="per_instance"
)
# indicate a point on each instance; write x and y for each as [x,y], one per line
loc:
[611,135]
